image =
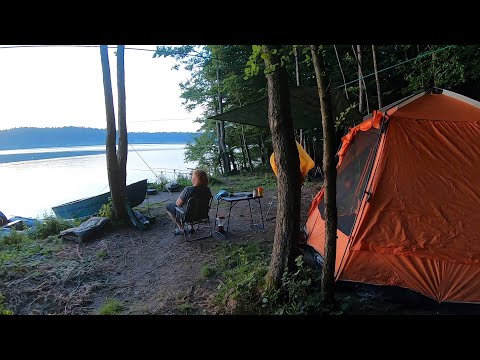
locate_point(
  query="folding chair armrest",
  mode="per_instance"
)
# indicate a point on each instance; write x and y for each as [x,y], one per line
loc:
[180,210]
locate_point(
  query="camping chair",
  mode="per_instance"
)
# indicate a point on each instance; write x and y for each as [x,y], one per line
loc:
[195,215]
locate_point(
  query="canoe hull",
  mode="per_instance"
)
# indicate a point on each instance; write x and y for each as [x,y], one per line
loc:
[89,206]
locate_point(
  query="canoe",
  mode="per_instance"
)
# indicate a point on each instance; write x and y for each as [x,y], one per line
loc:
[20,224]
[89,206]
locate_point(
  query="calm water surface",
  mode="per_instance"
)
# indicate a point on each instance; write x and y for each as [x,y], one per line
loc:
[34,180]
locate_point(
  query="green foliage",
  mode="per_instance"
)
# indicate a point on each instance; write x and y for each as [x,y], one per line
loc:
[298,295]
[107,210]
[51,225]
[244,268]
[244,290]
[215,181]
[183,180]
[186,308]
[3,309]
[14,238]
[208,272]
[111,307]
[252,68]
[101,254]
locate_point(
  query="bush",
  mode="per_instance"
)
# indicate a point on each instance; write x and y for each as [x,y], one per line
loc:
[51,226]
[106,210]
[14,238]
[111,307]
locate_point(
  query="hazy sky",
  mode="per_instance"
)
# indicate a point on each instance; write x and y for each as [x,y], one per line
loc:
[63,86]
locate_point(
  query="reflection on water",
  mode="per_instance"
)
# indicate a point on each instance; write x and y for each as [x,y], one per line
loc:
[30,188]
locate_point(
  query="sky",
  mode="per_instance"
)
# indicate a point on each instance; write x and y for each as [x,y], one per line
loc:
[63,86]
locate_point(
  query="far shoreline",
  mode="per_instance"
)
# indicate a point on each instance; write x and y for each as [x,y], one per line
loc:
[41,154]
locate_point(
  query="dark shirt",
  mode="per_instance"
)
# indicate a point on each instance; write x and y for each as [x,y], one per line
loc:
[195,191]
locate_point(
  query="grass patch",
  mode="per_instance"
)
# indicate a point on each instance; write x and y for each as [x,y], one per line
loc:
[18,248]
[243,269]
[208,272]
[186,308]
[156,209]
[3,309]
[111,307]
[101,254]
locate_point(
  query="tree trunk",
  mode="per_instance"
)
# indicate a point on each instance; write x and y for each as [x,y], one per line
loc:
[122,151]
[119,201]
[217,129]
[297,77]
[223,148]
[422,75]
[249,158]
[341,70]
[244,157]
[433,67]
[260,149]
[232,159]
[330,173]
[377,78]
[360,85]
[285,246]
[297,65]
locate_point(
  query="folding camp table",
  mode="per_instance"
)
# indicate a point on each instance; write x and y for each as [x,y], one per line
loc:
[234,199]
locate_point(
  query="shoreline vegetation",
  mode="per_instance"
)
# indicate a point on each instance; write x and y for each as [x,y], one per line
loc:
[29,138]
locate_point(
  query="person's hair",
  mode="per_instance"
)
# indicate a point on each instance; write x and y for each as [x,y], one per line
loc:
[201,176]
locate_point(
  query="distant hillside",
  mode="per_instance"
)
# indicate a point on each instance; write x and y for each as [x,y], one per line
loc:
[25,138]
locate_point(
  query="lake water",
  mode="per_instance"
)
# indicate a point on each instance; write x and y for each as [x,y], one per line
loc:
[34,180]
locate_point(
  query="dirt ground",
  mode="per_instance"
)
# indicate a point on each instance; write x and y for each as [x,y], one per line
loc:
[156,272]
[149,272]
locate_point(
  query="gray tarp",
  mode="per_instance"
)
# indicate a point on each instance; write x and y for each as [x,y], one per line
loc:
[305,106]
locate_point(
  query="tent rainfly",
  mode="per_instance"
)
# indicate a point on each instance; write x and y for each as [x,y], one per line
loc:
[408,197]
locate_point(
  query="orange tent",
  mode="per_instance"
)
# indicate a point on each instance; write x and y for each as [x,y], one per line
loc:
[408,197]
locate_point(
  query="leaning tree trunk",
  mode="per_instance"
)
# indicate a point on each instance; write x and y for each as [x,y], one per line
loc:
[377,78]
[119,201]
[330,173]
[360,85]
[285,245]
[297,77]
[122,151]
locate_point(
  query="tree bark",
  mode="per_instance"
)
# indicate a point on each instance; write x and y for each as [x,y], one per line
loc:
[249,158]
[118,200]
[330,173]
[297,65]
[360,85]
[122,151]
[285,246]
[222,146]
[232,159]
[244,157]
[422,75]
[341,70]
[261,150]
[377,78]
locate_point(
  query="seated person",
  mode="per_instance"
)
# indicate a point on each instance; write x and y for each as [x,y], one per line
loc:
[200,188]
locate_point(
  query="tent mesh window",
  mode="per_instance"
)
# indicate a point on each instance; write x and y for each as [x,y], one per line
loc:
[352,176]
